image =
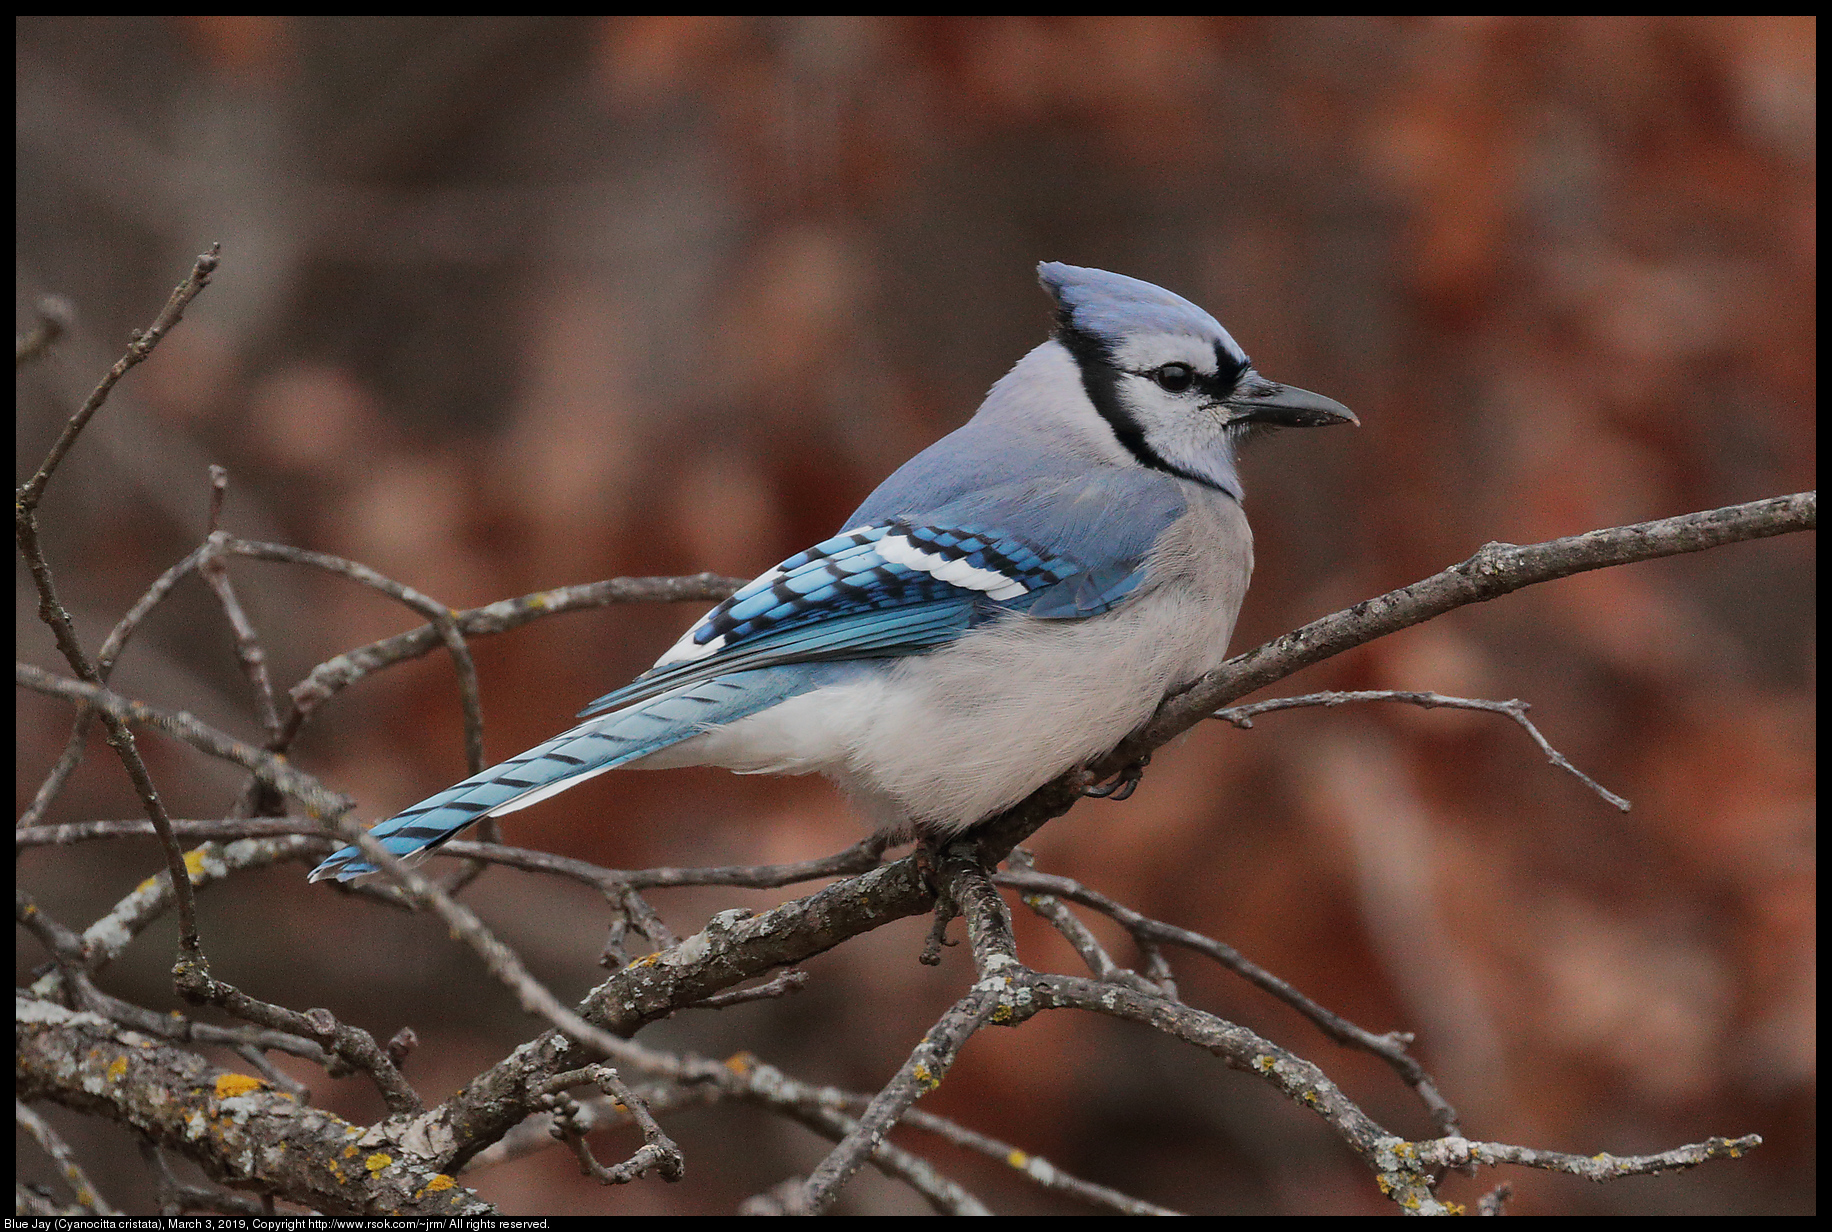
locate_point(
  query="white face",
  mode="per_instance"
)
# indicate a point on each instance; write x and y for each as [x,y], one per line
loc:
[1172,386]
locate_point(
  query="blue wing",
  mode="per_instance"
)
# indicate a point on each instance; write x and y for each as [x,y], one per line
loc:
[892,588]
[1055,547]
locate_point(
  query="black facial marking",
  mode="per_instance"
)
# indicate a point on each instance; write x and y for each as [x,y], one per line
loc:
[1100,376]
[1228,369]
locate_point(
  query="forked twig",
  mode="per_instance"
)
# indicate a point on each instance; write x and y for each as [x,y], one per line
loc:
[1242,716]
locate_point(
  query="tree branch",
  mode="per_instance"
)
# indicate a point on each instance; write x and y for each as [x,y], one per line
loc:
[1497,569]
[235,1126]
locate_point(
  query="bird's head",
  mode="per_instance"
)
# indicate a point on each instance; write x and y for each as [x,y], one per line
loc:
[1174,386]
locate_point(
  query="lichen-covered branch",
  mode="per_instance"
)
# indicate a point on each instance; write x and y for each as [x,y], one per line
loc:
[236,1127]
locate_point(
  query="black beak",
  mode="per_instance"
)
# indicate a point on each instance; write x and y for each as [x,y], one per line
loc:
[1257,400]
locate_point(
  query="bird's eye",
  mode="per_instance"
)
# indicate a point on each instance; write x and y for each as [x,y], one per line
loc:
[1174,378]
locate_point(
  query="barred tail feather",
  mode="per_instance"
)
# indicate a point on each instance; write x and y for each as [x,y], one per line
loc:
[586,751]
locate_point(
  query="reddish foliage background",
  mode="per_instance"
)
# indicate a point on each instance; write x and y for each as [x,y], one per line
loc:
[515,303]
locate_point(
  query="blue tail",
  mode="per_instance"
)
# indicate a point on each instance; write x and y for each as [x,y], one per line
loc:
[599,744]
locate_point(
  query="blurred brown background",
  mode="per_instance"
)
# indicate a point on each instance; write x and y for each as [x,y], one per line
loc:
[508,304]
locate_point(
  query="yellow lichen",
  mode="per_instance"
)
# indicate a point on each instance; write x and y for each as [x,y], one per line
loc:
[228,1085]
[1018,1159]
[376,1162]
[118,1068]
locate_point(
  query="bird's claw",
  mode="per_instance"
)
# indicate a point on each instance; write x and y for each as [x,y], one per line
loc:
[1122,785]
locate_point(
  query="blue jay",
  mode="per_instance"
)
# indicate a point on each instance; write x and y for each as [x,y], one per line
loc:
[1012,602]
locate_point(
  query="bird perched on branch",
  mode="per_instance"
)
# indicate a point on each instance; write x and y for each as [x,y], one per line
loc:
[1011,603]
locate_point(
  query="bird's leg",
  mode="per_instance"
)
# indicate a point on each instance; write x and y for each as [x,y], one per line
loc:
[1123,784]
[928,855]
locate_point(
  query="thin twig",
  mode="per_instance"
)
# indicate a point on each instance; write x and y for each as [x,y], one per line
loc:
[618,885]
[503,963]
[823,1110]
[341,671]
[1034,1168]
[744,1078]
[1390,1047]
[71,953]
[105,660]
[316,799]
[535,1134]
[443,620]
[351,1044]
[247,642]
[1456,1152]
[210,864]
[176,1197]
[658,1152]
[121,739]
[87,1196]
[791,981]
[1081,938]
[1297,1079]
[219,829]
[860,857]
[994,951]
[141,347]
[1242,716]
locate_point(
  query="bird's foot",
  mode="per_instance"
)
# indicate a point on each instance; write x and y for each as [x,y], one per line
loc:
[1122,785]
[928,855]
